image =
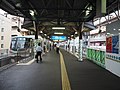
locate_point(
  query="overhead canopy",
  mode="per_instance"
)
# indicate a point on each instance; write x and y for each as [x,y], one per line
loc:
[49,13]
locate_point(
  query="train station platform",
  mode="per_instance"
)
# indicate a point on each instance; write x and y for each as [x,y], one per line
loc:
[58,72]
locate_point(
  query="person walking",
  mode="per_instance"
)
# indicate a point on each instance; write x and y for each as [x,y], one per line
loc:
[39,50]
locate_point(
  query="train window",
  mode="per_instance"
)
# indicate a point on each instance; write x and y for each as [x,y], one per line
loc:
[20,44]
[13,44]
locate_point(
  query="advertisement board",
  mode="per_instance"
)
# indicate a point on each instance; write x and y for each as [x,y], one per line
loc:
[112,44]
[115,44]
[113,54]
[109,44]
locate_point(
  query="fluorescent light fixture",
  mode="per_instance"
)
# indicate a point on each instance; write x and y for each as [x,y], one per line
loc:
[118,29]
[108,33]
[114,29]
[58,33]
[31,12]
[58,27]
[45,34]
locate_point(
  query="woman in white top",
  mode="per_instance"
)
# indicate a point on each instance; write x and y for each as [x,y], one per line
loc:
[39,50]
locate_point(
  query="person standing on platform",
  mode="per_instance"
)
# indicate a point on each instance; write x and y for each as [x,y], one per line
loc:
[68,47]
[57,47]
[39,50]
[50,46]
[44,48]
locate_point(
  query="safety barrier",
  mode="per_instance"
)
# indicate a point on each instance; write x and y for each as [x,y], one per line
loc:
[97,56]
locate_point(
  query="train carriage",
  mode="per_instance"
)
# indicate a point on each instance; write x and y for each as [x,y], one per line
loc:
[21,45]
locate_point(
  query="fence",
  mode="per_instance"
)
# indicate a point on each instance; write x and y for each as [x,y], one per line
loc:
[6,57]
[96,56]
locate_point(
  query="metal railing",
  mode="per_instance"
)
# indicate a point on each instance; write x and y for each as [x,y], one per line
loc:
[6,57]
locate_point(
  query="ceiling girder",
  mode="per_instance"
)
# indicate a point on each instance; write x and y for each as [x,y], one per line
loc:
[45,5]
[58,11]
[9,1]
[69,9]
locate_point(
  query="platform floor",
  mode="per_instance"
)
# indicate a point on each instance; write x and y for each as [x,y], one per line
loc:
[49,75]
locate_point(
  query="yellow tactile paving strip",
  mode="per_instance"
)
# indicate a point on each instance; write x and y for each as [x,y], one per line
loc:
[64,76]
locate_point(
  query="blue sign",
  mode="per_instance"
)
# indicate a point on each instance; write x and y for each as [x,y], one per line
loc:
[58,37]
[115,44]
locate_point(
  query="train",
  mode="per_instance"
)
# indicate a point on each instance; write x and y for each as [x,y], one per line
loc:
[22,46]
[26,45]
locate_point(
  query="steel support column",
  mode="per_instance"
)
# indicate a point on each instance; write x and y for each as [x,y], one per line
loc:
[36,29]
[80,43]
[74,46]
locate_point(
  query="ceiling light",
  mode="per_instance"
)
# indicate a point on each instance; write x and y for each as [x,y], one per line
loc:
[31,12]
[41,32]
[58,33]
[58,27]
[45,34]
[18,5]
[75,32]
[118,29]
[87,12]
[114,29]
[108,33]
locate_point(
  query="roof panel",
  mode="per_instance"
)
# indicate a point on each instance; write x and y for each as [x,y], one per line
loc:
[52,10]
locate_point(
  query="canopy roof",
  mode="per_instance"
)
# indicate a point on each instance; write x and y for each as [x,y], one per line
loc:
[49,13]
